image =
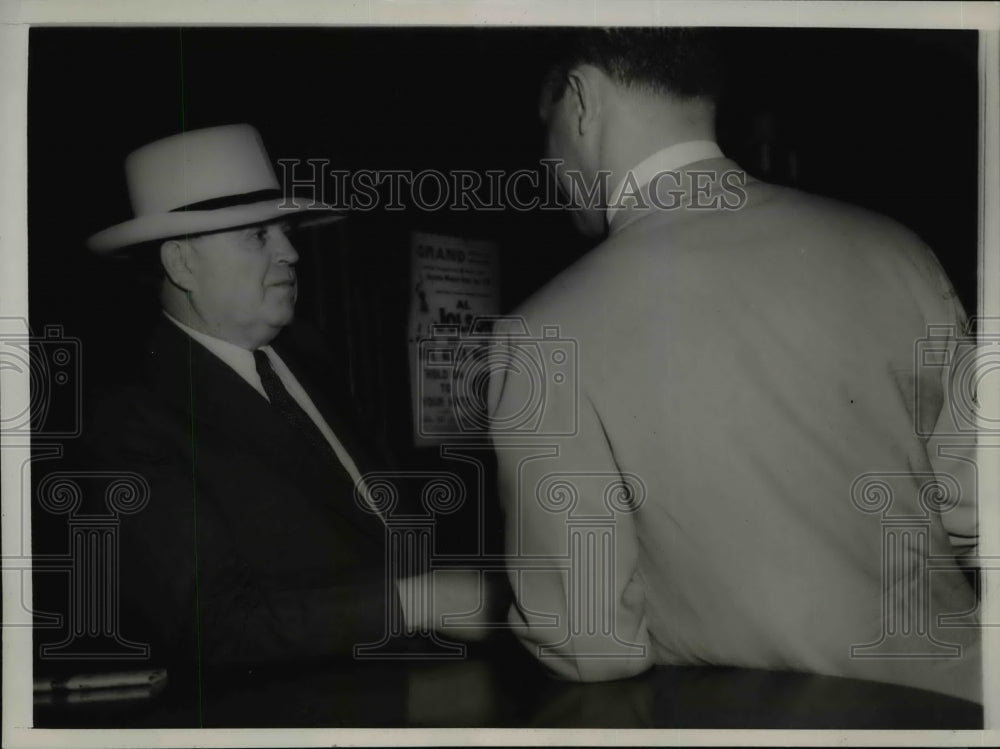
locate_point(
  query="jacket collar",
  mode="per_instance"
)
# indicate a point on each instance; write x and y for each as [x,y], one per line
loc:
[699,187]
[669,159]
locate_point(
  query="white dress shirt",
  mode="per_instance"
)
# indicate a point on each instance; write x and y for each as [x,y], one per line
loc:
[665,160]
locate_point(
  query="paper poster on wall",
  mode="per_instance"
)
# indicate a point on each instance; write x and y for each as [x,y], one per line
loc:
[454,282]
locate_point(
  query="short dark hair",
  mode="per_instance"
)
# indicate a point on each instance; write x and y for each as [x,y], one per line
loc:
[682,61]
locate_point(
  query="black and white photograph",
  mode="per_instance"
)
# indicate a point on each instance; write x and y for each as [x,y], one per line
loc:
[552,367]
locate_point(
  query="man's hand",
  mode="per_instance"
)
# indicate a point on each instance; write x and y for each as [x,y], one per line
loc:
[456,603]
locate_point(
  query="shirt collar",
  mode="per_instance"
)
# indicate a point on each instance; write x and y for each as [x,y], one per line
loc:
[667,159]
[237,358]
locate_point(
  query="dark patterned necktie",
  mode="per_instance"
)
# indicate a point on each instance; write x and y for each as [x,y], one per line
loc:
[289,408]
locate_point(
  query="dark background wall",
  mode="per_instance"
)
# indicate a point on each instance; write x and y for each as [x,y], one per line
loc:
[886,119]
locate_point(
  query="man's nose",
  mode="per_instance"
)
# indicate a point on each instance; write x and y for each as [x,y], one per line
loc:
[284,251]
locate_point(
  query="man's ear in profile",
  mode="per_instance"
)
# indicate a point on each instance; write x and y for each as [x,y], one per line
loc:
[175,256]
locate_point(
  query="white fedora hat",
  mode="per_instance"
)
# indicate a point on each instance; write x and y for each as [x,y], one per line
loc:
[200,181]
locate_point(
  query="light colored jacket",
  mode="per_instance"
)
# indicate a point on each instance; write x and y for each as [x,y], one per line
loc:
[758,379]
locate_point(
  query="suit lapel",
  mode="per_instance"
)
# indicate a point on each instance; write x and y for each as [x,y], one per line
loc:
[214,397]
[337,413]
[338,416]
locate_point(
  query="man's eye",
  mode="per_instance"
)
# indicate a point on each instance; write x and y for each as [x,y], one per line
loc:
[260,235]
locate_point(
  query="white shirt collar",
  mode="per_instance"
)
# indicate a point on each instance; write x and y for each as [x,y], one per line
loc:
[665,160]
[239,359]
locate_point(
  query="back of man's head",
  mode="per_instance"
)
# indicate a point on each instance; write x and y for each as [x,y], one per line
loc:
[679,62]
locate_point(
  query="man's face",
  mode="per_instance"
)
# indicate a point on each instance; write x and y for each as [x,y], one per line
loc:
[564,143]
[244,286]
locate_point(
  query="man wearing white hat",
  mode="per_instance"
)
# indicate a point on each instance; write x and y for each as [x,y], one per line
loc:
[257,544]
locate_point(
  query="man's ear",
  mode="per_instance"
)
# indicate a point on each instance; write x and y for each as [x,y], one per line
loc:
[583,94]
[175,255]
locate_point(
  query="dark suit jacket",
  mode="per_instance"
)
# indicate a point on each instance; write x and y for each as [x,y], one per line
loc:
[250,550]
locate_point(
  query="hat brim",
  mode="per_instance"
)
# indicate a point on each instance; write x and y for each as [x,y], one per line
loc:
[167,225]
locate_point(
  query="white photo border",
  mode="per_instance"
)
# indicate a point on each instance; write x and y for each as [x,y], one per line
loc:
[18,16]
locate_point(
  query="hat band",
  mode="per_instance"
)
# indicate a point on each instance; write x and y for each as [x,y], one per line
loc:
[228,201]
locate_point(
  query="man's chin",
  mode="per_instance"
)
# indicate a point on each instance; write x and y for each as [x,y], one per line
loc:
[282,320]
[281,317]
